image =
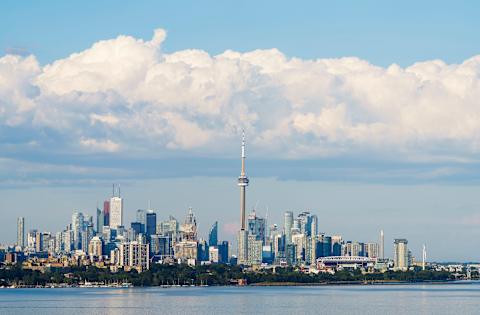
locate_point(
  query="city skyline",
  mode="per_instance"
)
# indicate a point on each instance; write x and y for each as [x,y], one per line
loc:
[248,236]
[365,114]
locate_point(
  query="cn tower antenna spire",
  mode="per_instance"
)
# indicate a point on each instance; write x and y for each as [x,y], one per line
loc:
[243,152]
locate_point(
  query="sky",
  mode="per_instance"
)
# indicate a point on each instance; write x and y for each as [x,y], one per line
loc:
[364,113]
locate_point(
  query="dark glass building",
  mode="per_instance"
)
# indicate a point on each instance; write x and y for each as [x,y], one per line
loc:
[213,235]
[151,224]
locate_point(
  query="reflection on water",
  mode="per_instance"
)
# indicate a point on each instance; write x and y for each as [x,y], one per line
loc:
[461,298]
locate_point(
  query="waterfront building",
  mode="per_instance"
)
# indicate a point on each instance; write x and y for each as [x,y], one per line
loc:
[213,235]
[21,232]
[401,255]
[133,255]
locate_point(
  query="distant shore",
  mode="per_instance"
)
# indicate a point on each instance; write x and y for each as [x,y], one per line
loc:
[259,284]
[340,283]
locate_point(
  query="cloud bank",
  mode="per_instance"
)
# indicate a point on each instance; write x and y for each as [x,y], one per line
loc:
[126,97]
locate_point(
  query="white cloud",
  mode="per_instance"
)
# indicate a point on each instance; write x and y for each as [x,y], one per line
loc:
[126,95]
[100,145]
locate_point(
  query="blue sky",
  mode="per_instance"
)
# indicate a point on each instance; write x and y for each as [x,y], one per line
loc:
[359,111]
[382,32]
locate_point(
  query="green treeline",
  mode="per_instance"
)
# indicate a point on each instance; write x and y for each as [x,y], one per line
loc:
[211,275]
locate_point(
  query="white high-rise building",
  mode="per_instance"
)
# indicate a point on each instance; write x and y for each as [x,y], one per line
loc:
[213,254]
[116,212]
[134,255]
[242,239]
[401,259]
[254,250]
[299,240]
[371,250]
[21,232]
[77,228]
[288,224]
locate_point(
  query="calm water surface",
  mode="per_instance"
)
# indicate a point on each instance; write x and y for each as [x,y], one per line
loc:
[378,299]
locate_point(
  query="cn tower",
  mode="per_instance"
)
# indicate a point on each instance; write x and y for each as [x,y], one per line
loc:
[242,183]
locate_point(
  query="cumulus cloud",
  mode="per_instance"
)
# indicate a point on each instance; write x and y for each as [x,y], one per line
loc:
[126,96]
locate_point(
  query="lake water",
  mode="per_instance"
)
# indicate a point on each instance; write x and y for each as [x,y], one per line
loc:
[459,298]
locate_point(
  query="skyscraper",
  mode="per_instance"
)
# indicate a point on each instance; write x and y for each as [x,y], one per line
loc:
[100,220]
[116,210]
[242,255]
[288,224]
[77,228]
[371,250]
[150,223]
[256,226]
[142,218]
[106,213]
[21,232]
[213,235]
[401,259]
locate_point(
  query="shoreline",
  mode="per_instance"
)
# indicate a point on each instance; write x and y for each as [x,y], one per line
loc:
[262,284]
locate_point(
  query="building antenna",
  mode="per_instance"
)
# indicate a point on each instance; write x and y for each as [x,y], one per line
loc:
[119,190]
[113,190]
